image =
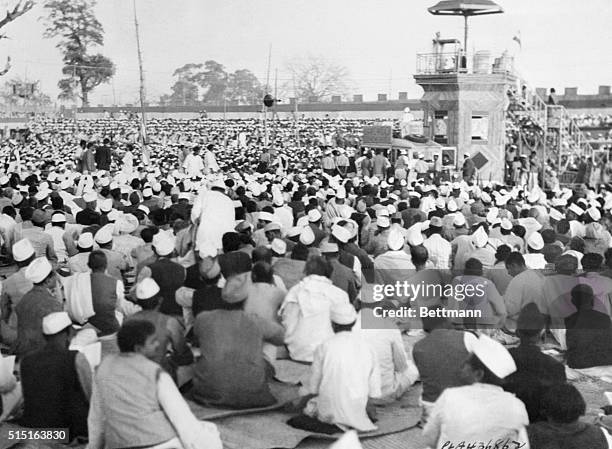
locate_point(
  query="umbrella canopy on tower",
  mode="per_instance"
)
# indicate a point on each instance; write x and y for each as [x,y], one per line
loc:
[465,8]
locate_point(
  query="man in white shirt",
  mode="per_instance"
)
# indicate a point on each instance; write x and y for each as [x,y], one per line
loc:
[439,249]
[344,376]
[481,411]
[193,164]
[397,372]
[62,242]
[305,313]
[525,287]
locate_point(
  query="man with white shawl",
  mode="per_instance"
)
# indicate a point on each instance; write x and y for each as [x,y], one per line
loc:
[213,213]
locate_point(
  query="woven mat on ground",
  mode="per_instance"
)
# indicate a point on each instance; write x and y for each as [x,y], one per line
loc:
[282,392]
[291,372]
[269,430]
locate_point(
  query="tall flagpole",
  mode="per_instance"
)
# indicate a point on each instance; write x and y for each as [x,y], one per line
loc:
[142,91]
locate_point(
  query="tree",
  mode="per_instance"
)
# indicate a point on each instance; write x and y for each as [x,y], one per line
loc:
[217,85]
[317,78]
[74,22]
[213,79]
[19,10]
[185,91]
[243,87]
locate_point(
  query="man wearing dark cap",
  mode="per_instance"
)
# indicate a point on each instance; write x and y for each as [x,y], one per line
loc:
[535,371]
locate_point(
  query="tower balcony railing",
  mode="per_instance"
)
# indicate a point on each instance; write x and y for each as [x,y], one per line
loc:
[458,62]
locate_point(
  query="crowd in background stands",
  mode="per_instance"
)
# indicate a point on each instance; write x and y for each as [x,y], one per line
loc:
[594,120]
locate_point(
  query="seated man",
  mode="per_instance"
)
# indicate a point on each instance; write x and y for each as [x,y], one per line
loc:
[11,394]
[306,310]
[232,370]
[439,358]
[56,382]
[134,403]
[14,288]
[589,332]
[562,405]
[168,331]
[480,411]
[397,372]
[36,304]
[535,371]
[344,376]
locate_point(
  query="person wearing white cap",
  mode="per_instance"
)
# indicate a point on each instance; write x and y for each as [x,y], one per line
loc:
[342,276]
[395,264]
[13,289]
[314,223]
[63,242]
[169,332]
[439,249]
[124,241]
[168,274]
[283,214]
[505,234]
[56,381]
[135,403]
[534,258]
[485,249]
[88,216]
[344,376]
[337,207]
[575,214]
[117,263]
[78,262]
[34,305]
[375,244]
[481,410]
[305,314]
[153,202]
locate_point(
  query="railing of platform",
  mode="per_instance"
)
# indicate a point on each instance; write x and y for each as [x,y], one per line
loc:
[458,62]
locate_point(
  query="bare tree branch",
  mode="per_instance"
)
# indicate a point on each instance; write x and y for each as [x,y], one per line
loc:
[20,9]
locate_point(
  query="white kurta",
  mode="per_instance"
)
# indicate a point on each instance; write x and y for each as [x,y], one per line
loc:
[306,317]
[216,215]
[193,165]
[344,375]
[473,414]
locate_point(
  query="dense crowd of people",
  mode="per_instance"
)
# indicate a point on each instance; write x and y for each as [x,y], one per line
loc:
[140,279]
[594,120]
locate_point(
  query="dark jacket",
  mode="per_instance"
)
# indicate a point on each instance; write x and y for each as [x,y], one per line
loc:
[589,339]
[53,396]
[103,158]
[535,371]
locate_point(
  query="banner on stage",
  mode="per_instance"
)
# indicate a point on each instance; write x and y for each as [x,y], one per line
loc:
[377,136]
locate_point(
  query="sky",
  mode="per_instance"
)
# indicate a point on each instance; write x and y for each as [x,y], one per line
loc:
[565,42]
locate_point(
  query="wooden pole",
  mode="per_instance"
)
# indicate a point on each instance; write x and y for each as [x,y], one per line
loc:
[142,90]
[267,90]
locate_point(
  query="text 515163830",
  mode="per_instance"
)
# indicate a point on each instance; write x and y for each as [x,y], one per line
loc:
[55,435]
